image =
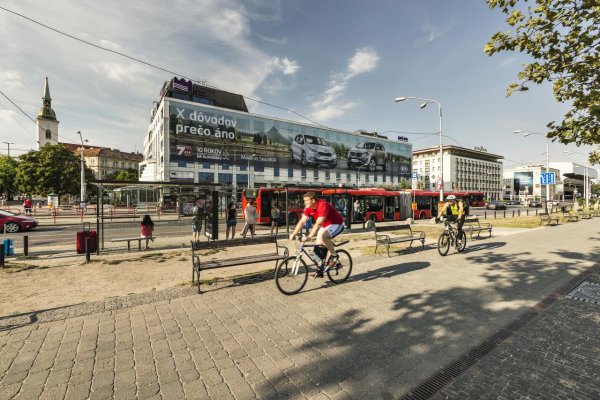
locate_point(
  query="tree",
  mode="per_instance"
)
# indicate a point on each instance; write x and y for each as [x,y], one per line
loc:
[8,173]
[52,169]
[596,189]
[563,38]
[124,175]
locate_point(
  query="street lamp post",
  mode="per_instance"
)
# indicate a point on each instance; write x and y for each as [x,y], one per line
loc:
[82,194]
[358,174]
[425,102]
[527,133]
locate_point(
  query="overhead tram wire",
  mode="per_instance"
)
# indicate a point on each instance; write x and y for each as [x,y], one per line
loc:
[19,122]
[146,63]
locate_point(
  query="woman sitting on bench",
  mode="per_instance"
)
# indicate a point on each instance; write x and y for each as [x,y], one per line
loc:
[146,229]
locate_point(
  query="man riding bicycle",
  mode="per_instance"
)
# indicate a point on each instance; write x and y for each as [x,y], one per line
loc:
[328,224]
[456,210]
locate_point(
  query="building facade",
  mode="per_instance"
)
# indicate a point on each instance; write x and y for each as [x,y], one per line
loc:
[204,135]
[463,169]
[104,161]
[524,183]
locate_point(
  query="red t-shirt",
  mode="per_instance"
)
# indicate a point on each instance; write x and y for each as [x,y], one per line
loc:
[325,209]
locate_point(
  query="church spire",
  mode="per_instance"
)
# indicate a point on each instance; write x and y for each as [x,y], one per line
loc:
[46,111]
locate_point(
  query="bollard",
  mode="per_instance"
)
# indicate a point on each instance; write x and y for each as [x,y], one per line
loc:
[504,214]
[1,255]
[87,249]
[26,245]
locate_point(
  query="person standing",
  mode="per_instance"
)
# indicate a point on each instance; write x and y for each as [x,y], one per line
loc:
[231,220]
[250,215]
[275,215]
[197,223]
[147,229]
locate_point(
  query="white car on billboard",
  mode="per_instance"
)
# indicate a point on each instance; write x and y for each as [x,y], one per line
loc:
[308,149]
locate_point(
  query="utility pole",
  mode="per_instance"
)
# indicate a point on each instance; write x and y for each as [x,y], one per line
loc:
[8,145]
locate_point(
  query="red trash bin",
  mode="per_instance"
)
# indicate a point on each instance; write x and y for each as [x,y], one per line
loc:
[82,235]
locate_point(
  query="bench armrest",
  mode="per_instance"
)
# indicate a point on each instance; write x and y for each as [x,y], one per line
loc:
[286,252]
[419,234]
[381,237]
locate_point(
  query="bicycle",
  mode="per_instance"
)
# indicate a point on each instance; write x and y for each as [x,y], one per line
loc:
[449,237]
[292,273]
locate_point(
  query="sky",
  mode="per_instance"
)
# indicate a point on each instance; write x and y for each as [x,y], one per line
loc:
[340,63]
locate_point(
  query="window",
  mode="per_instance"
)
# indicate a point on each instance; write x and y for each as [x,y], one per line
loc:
[259,168]
[224,166]
[315,174]
[242,179]
[243,167]
[205,165]
[276,170]
[206,177]
[226,178]
[181,164]
[303,173]
[290,171]
[327,175]
[48,134]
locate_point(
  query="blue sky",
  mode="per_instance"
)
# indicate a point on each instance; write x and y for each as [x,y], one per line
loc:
[340,63]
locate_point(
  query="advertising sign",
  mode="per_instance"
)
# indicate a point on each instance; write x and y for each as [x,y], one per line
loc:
[205,134]
[524,182]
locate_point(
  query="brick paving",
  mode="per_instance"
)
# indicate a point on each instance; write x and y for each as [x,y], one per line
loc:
[396,322]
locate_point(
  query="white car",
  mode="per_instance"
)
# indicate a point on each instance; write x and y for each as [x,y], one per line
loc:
[310,149]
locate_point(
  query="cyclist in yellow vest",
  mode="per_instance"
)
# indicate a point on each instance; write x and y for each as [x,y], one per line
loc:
[456,210]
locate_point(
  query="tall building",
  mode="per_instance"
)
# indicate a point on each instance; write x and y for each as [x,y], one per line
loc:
[463,169]
[46,121]
[523,183]
[201,134]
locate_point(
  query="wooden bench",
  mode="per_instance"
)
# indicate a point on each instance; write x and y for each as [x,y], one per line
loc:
[132,239]
[548,219]
[472,225]
[585,215]
[279,253]
[570,217]
[406,234]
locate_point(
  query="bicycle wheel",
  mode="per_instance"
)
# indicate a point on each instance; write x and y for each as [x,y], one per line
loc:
[291,275]
[340,273]
[462,242]
[443,244]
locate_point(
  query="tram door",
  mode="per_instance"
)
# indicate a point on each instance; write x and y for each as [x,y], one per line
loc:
[390,207]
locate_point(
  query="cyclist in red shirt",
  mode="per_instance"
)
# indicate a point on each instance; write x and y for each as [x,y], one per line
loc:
[328,224]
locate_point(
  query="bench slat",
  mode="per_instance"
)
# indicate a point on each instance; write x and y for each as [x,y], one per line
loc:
[242,261]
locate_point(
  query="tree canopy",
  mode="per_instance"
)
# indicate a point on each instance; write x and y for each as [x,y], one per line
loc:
[52,169]
[8,173]
[124,175]
[563,39]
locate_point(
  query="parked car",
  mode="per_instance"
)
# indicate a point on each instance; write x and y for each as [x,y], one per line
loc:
[310,149]
[371,154]
[15,223]
[513,203]
[535,203]
[495,205]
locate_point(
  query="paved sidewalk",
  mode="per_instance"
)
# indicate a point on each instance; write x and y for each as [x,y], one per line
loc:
[395,323]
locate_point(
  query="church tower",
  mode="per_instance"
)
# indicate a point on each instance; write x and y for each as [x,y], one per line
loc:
[46,120]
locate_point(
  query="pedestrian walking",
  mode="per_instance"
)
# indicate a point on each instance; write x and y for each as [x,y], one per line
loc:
[231,220]
[250,216]
[147,229]
[197,223]
[275,215]
[27,205]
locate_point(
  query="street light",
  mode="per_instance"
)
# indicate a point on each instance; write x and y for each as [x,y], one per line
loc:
[586,178]
[425,102]
[82,194]
[248,169]
[527,133]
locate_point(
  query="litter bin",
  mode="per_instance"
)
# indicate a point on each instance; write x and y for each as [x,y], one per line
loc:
[9,247]
[82,235]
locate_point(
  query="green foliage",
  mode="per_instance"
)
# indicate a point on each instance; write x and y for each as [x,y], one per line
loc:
[52,169]
[8,174]
[596,189]
[563,38]
[124,175]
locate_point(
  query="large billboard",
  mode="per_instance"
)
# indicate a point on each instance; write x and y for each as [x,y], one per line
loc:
[206,134]
[524,182]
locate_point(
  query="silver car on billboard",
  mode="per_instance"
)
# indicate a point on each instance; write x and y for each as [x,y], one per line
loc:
[308,149]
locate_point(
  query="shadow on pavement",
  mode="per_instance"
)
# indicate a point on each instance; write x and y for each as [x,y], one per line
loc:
[390,271]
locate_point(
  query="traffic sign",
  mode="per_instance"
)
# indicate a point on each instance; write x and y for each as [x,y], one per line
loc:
[547,178]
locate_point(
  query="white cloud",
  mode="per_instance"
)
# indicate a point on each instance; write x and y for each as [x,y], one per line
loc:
[285,65]
[11,79]
[328,107]
[364,60]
